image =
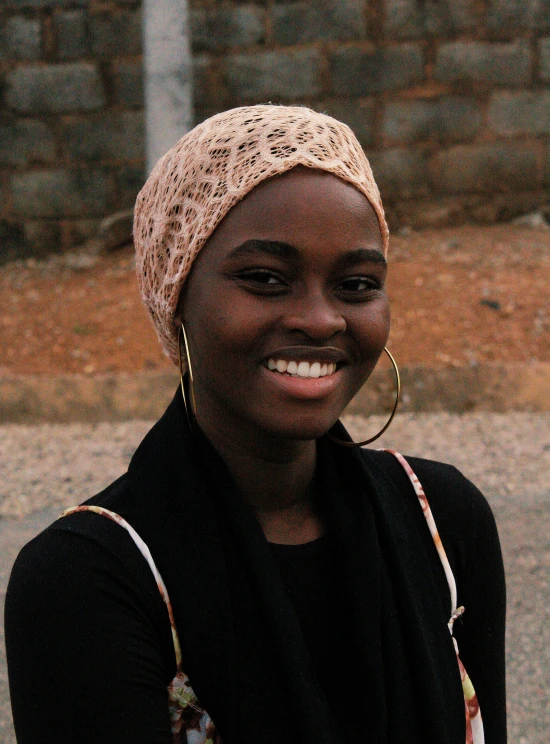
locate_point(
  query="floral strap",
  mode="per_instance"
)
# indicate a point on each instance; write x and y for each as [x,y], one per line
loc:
[474,723]
[190,724]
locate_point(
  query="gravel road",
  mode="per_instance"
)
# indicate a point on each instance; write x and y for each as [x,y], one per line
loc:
[43,468]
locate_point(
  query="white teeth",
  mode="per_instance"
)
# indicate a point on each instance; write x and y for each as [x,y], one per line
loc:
[315,370]
[301,369]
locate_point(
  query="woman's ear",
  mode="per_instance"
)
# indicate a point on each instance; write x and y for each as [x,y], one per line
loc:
[178,315]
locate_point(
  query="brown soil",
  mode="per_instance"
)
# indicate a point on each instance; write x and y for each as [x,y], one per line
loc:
[459,296]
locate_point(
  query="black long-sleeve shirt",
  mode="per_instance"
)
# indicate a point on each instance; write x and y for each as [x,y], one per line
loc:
[89,643]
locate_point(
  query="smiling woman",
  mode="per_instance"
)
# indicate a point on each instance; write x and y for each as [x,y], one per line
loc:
[275,585]
[299,262]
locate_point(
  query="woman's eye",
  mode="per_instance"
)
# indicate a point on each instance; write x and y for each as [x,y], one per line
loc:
[358,284]
[262,278]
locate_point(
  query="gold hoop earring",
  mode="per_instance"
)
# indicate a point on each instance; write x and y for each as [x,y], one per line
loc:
[191,407]
[388,422]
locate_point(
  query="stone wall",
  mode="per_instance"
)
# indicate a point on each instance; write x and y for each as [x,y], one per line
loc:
[450,98]
[71,119]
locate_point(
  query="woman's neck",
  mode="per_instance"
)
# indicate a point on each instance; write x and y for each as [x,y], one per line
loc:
[277,479]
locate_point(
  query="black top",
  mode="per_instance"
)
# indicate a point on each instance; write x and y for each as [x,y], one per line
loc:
[89,644]
[312,578]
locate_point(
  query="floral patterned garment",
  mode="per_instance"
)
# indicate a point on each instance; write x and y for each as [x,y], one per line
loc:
[191,724]
[474,723]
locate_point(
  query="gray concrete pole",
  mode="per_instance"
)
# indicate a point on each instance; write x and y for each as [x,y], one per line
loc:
[167,68]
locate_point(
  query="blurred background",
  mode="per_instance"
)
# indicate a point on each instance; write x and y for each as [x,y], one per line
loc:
[451,101]
[447,97]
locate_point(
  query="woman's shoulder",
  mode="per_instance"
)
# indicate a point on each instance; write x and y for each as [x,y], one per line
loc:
[443,483]
[82,543]
[462,513]
[85,562]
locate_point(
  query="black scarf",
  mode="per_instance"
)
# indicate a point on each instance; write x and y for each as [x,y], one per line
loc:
[241,641]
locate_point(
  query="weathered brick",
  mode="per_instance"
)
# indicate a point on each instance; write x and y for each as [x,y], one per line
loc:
[357,114]
[60,193]
[452,17]
[12,241]
[262,75]
[47,3]
[399,172]
[114,34]
[77,232]
[477,61]
[42,237]
[475,168]
[544,58]
[128,80]
[294,23]
[226,26]
[520,112]
[130,179]
[71,31]
[507,16]
[26,141]
[55,88]
[19,38]
[408,121]
[200,115]
[541,14]
[411,19]
[201,69]
[404,19]
[208,91]
[117,136]
[459,118]
[355,72]
[448,118]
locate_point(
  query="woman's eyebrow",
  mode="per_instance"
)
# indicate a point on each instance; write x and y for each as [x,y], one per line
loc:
[280,249]
[269,247]
[361,255]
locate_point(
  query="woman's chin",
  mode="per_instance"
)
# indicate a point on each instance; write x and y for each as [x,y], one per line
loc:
[298,420]
[302,430]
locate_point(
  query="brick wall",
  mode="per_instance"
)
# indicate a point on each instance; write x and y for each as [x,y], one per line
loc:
[71,119]
[450,98]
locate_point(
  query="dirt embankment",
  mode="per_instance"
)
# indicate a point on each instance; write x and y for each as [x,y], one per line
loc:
[459,296]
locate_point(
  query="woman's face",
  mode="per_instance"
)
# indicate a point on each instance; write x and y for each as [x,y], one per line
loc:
[285,308]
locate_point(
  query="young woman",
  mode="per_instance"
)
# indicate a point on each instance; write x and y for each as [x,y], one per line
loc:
[254,577]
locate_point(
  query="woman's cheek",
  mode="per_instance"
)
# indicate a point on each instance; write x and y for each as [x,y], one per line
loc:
[373,325]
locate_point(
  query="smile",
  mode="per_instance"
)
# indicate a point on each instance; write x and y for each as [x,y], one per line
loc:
[301,369]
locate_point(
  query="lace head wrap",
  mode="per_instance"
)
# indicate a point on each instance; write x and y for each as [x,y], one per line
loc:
[210,169]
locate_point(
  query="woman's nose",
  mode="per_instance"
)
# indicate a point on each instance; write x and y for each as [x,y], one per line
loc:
[315,316]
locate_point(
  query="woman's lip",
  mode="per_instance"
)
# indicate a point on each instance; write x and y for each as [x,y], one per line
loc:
[325,355]
[304,388]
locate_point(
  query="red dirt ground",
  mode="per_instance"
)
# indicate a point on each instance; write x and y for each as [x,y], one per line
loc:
[459,296]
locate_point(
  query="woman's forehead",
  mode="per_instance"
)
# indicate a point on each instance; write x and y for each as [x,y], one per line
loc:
[308,218]
[298,200]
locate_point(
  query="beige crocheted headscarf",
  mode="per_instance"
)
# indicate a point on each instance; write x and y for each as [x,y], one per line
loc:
[210,169]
